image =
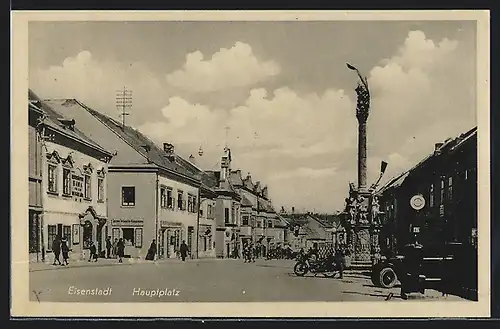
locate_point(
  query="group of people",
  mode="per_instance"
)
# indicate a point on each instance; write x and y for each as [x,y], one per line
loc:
[183,251]
[60,245]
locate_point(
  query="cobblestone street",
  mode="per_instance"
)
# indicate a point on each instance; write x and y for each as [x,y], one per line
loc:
[205,280]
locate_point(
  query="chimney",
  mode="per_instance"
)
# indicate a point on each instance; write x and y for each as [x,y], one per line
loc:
[293,210]
[437,146]
[169,150]
[191,159]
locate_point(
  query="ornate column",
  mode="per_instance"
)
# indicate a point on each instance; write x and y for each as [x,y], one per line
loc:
[359,201]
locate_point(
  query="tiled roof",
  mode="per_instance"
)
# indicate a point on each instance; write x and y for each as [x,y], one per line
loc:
[448,146]
[245,202]
[328,221]
[144,145]
[235,178]
[53,118]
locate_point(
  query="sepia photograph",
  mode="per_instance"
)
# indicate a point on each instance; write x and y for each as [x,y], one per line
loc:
[251,159]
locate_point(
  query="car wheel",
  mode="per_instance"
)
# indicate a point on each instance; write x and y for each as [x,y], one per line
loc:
[387,277]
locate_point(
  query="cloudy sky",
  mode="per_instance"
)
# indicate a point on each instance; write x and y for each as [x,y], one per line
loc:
[282,88]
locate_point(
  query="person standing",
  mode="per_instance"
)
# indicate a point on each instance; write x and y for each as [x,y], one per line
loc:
[65,251]
[93,252]
[184,250]
[151,251]
[412,263]
[120,249]
[340,259]
[56,249]
[108,247]
[115,248]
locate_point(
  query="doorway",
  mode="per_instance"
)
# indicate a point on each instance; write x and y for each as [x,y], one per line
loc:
[87,233]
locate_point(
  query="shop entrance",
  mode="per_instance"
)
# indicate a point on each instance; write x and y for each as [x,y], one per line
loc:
[171,242]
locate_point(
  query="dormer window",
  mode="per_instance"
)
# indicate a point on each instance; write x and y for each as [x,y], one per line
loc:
[68,123]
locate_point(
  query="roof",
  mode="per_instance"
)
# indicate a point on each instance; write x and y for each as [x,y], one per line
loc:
[449,146]
[328,221]
[235,178]
[54,119]
[138,141]
[245,202]
[212,180]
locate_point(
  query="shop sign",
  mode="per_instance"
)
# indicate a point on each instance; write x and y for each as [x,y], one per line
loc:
[127,222]
[165,223]
[417,202]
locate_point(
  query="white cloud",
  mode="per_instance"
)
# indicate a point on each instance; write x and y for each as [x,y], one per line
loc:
[420,96]
[226,69]
[95,82]
[302,144]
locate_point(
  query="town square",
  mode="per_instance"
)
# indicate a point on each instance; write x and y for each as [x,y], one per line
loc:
[225,162]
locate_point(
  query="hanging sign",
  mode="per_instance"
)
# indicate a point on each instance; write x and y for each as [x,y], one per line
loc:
[417,202]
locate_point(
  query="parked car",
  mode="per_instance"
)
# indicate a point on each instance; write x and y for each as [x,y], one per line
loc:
[442,263]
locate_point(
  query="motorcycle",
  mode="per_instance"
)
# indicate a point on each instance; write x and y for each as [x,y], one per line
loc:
[327,266]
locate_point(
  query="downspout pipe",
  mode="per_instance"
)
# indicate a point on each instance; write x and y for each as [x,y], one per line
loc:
[198,226]
[157,204]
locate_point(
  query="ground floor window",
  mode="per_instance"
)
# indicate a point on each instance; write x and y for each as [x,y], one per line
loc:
[51,235]
[67,234]
[34,237]
[128,236]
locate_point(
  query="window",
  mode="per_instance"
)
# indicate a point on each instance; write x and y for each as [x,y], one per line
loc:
[100,189]
[138,237]
[128,196]
[259,223]
[441,199]
[51,234]
[163,197]
[269,223]
[77,185]
[66,181]
[128,236]
[210,211]
[52,178]
[180,200]
[67,233]
[88,187]
[233,214]
[466,174]
[245,221]
[431,196]
[191,203]
[450,188]
[170,199]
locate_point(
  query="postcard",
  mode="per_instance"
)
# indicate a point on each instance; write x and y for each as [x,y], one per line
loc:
[250,164]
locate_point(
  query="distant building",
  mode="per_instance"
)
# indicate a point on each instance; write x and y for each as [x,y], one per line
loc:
[73,183]
[305,230]
[153,193]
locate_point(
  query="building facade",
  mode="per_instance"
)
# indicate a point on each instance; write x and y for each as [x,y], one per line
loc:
[153,197]
[73,183]
[35,172]
[447,181]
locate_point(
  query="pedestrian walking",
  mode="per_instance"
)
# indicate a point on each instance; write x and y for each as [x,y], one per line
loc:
[151,251]
[56,249]
[65,251]
[184,250]
[108,247]
[120,249]
[93,252]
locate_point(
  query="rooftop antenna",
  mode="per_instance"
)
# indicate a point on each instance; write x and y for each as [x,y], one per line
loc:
[124,102]
[227,132]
